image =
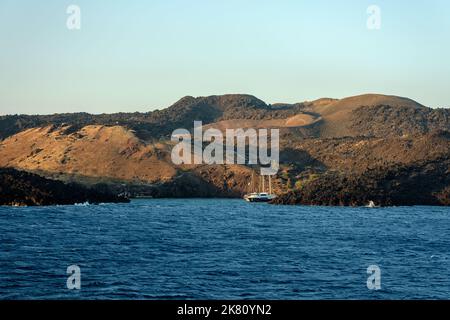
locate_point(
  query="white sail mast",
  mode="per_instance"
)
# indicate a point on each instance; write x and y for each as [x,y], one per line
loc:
[270,184]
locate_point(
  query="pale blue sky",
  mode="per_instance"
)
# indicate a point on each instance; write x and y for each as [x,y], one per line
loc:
[135,55]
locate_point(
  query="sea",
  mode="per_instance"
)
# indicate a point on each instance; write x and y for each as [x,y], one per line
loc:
[223,249]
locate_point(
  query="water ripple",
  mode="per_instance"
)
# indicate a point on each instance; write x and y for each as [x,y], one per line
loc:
[223,249]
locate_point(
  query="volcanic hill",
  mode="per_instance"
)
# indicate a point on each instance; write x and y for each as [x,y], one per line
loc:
[377,142]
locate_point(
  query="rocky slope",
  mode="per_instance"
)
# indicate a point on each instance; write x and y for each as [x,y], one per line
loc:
[114,158]
[24,189]
[424,183]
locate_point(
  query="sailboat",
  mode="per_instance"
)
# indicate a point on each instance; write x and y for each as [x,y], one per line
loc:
[261,196]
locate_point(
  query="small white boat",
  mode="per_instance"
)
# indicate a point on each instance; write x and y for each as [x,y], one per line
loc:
[372,205]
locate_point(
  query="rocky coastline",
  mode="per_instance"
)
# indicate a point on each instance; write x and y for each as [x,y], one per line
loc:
[19,188]
[422,184]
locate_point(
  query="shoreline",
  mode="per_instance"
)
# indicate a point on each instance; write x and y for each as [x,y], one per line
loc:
[131,200]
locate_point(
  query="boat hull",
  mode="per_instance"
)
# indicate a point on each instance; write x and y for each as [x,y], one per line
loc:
[258,199]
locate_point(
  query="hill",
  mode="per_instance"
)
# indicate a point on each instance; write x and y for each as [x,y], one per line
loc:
[131,151]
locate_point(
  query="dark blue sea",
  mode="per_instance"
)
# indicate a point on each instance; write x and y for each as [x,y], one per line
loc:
[223,249]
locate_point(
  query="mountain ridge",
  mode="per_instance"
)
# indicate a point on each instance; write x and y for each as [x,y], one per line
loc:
[160,123]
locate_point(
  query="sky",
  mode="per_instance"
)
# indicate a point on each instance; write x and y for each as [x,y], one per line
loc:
[132,55]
